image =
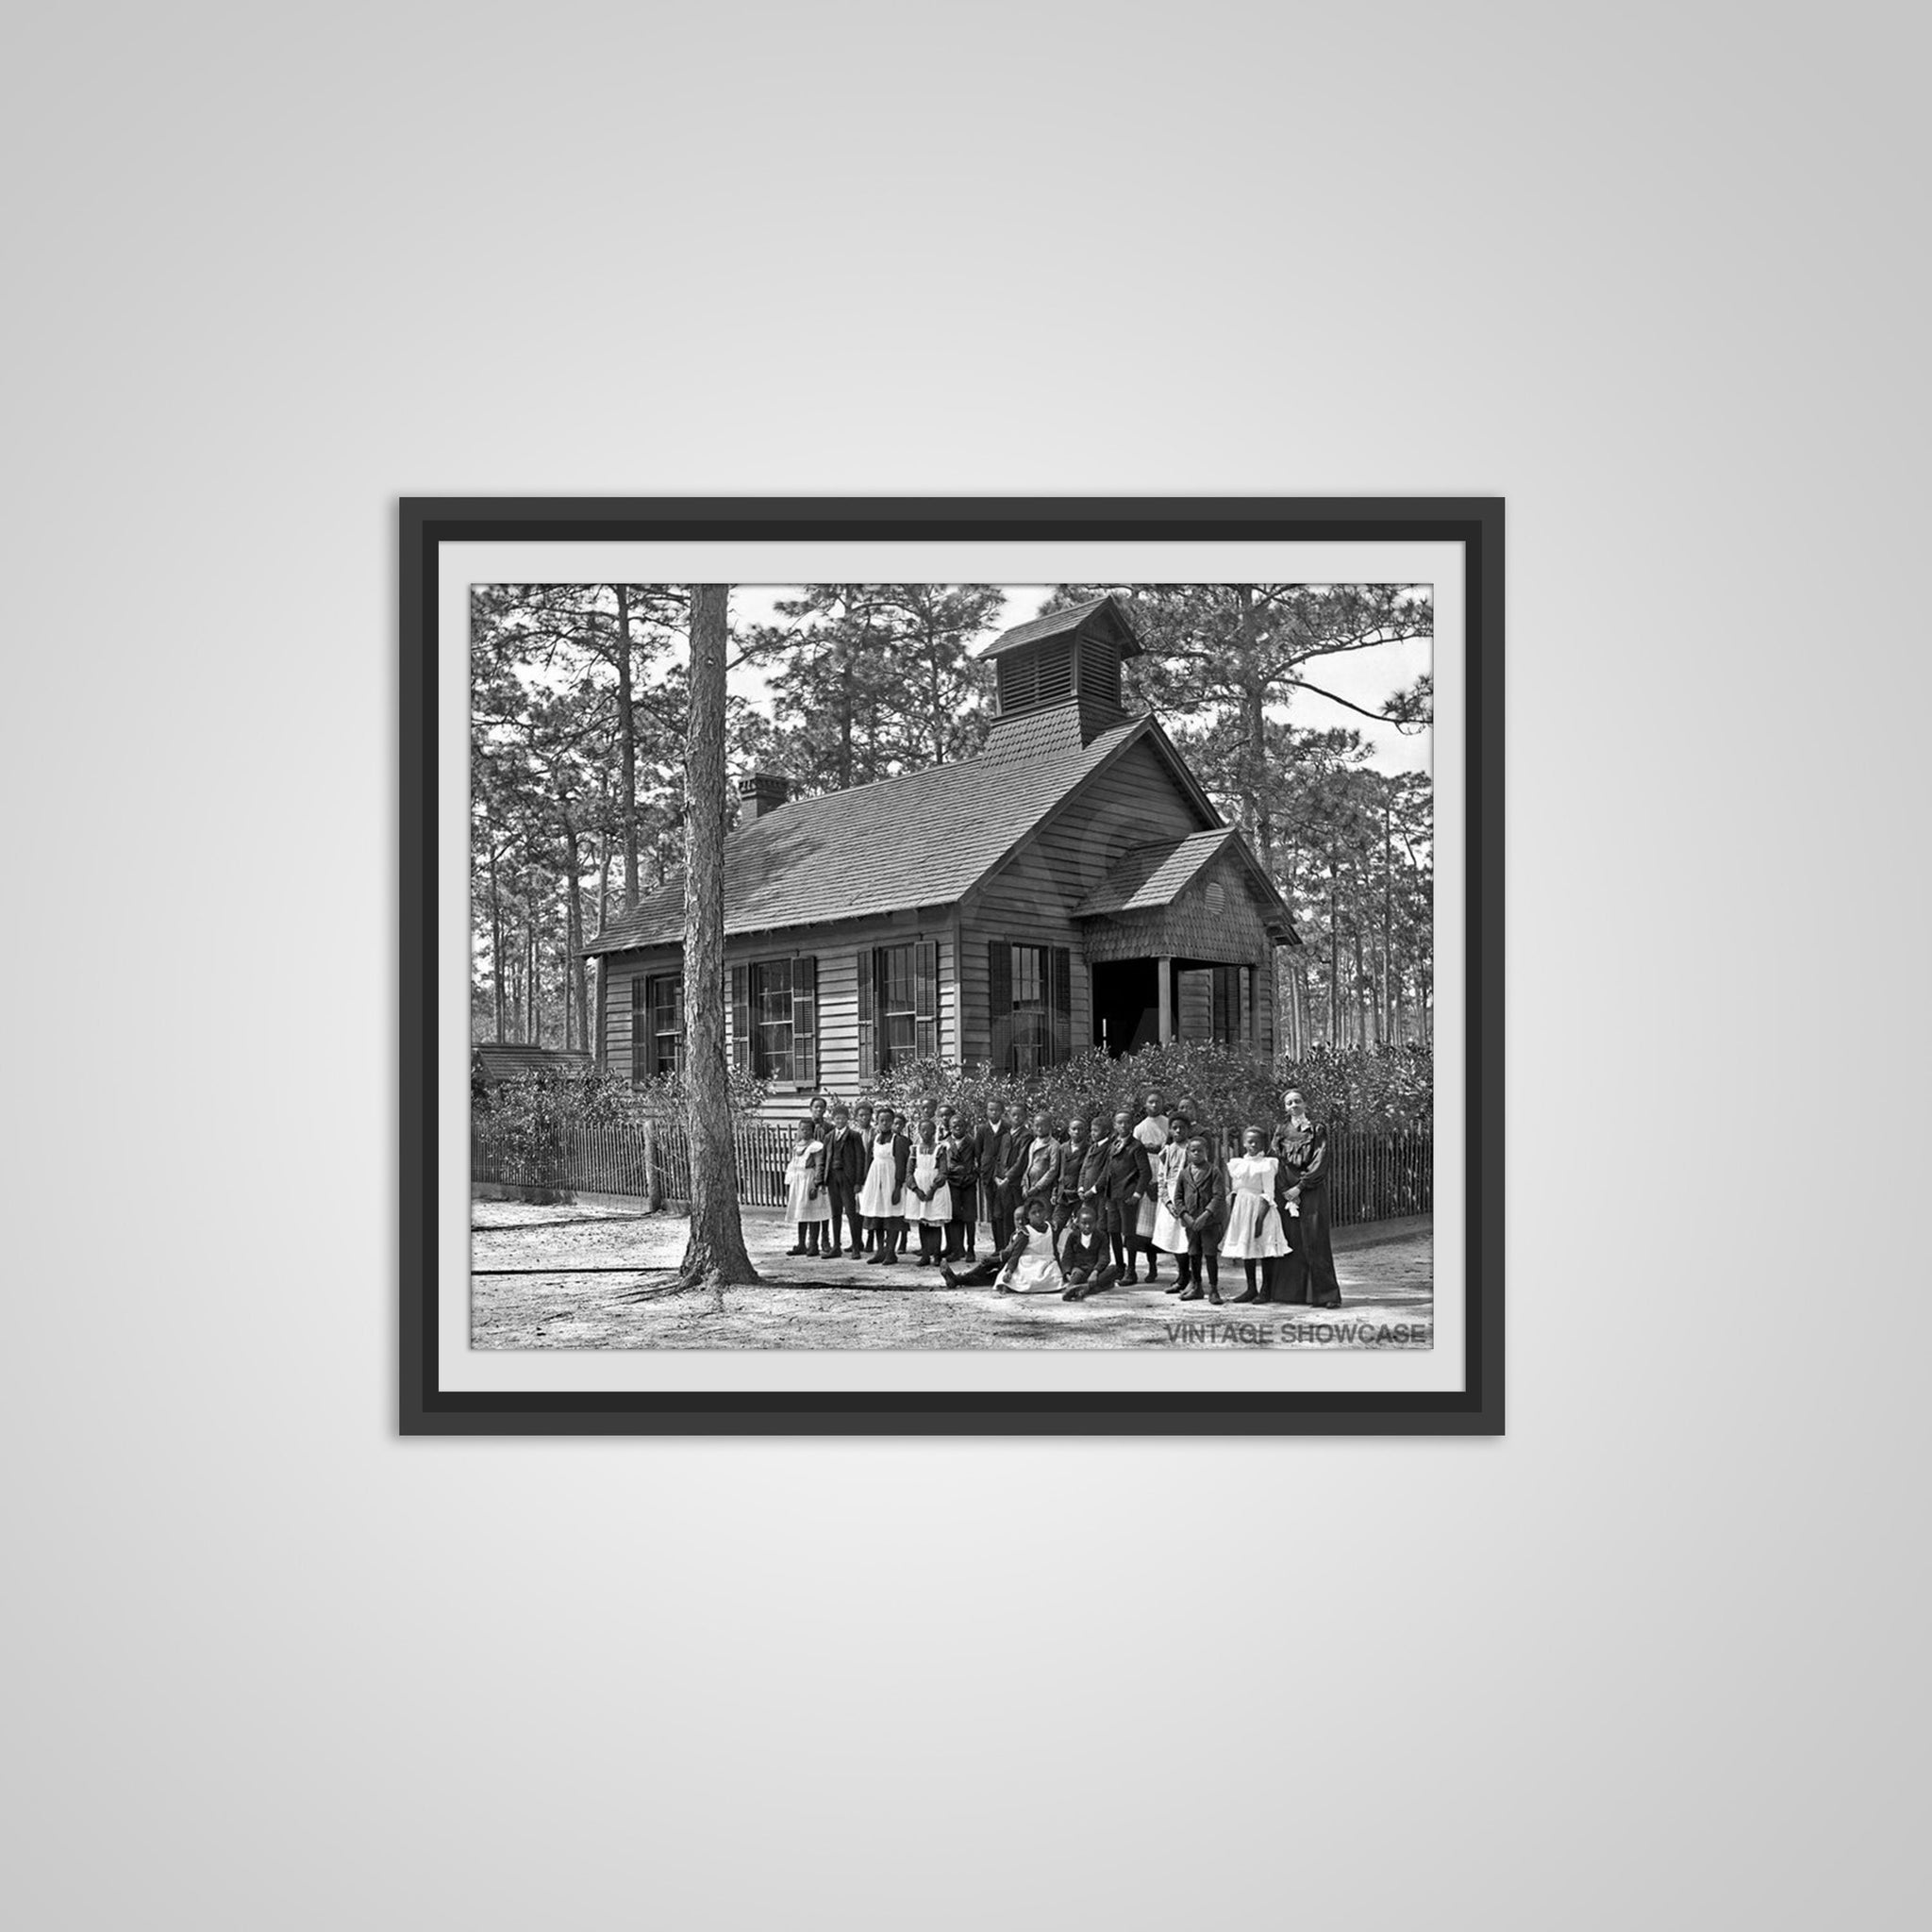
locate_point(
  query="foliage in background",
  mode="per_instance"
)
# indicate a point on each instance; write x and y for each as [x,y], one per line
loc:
[1388,1087]
[579,701]
[523,1119]
[664,1098]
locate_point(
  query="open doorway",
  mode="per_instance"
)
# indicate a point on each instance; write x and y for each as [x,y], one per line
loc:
[1126,1004]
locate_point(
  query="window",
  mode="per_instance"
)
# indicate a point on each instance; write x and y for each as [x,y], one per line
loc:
[898,1004]
[771,1019]
[1030,993]
[657,1043]
[774,1019]
[1032,1035]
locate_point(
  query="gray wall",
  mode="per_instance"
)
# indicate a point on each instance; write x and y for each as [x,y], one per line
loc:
[1648,1661]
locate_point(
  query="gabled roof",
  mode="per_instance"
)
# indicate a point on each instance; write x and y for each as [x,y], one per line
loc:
[1101,615]
[1151,876]
[924,839]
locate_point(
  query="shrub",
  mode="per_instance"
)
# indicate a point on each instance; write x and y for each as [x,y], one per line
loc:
[1390,1089]
[523,1120]
[1376,1088]
[664,1099]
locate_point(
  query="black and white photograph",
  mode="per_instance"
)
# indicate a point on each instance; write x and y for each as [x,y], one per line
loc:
[1078,975]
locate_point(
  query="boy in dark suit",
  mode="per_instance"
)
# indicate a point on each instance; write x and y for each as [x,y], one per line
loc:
[1040,1173]
[1200,1205]
[986,1147]
[1066,1196]
[1083,1257]
[1009,1152]
[1093,1169]
[1126,1175]
[960,1163]
[846,1159]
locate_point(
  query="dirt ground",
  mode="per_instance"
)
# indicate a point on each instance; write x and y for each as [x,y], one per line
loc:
[600,1276]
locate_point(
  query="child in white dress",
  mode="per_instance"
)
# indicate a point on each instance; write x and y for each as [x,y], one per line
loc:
[929,1200]
[1032,1268]
[805,1192]
[1254,1216]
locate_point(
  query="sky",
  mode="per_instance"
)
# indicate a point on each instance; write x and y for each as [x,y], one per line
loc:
[1366,678]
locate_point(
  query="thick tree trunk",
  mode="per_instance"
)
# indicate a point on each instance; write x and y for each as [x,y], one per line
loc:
[628,751]
[714,1256]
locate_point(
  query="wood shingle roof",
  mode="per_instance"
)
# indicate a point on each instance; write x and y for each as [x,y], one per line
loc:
[924,838]
[1102,613]
[1152,877]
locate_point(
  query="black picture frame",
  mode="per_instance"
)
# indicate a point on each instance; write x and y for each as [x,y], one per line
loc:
[427,523]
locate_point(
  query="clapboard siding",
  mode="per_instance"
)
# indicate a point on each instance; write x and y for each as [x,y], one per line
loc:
[836,949]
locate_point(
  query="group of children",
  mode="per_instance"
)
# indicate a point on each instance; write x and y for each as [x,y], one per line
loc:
[1073,1212]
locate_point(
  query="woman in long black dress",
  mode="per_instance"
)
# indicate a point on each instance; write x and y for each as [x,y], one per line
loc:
[1302,1147]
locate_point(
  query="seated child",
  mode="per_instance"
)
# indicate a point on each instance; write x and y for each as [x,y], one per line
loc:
[1083,1259]
[1026,1266]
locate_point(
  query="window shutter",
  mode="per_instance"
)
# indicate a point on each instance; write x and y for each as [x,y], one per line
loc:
[805,1021]
[999,1000]
[868,963]
[639,1028]
[740,1020]
[925,997]
[1059,966]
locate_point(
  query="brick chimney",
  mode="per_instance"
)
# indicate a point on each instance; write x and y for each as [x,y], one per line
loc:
[761,792]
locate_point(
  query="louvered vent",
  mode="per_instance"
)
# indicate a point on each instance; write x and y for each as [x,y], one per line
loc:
[1100,672]
[1029,680]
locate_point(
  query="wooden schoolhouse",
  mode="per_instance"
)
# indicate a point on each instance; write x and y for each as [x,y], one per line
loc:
[1072,886]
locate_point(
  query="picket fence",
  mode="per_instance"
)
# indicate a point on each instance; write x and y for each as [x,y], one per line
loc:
[1375,1176]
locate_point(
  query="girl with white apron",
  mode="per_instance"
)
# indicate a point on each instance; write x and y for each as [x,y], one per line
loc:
[929,1199]
[1169,1235]
[876,1197]
[1036,1269]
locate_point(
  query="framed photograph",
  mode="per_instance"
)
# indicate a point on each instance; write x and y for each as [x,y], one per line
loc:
[948,967]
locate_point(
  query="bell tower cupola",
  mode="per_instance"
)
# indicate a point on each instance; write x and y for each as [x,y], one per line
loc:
[1058,677]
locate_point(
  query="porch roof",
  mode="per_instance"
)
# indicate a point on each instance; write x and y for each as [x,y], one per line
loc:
[1150,878]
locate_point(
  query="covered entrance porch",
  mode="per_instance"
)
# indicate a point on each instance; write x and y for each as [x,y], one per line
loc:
[1180,941]
[1139,1003]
